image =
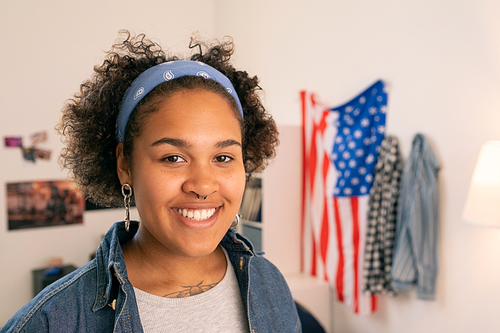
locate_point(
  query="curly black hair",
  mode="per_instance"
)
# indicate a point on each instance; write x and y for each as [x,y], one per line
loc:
[88,119]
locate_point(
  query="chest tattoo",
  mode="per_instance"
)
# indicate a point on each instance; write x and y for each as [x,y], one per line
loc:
[191,290]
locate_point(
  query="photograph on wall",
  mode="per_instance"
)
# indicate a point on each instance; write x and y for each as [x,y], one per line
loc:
[44,203]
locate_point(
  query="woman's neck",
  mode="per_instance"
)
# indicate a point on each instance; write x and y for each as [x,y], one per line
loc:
[156,270]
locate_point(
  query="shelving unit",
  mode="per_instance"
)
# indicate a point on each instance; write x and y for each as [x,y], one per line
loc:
[251,225]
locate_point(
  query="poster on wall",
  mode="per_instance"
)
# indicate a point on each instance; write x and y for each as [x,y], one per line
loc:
[44,203]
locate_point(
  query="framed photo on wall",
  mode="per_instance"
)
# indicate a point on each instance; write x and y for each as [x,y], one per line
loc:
[44,203]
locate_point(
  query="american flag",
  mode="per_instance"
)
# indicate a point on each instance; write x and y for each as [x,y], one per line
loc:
[340,150]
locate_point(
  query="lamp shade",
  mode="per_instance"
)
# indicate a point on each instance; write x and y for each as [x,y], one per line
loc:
[483,200]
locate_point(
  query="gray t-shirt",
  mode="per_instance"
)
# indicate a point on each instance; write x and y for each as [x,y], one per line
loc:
[219,309]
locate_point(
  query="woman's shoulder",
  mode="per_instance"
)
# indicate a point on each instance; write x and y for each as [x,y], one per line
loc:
[63,298]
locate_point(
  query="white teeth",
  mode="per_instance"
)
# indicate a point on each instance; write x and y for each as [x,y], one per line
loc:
[197,215]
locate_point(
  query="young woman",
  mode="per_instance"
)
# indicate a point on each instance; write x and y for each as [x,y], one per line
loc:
[179,138]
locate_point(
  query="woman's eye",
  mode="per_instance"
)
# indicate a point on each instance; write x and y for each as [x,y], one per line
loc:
[173,159]
[223,158]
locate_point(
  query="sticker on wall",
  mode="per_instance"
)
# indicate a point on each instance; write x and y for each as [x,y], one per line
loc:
[13,141]
[39,137]
[33,152]
[44,203]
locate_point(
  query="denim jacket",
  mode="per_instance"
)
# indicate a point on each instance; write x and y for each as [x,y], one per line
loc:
[99,298]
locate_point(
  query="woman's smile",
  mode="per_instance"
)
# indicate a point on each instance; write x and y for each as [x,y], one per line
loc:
[198,219]
[197,214]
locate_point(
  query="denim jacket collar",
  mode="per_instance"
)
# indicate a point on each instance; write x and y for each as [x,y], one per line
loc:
[110,261]
[234,242]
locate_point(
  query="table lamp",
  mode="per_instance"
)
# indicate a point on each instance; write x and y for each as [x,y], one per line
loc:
[483,200]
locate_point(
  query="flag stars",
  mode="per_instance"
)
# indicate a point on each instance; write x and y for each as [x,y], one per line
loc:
[360,129]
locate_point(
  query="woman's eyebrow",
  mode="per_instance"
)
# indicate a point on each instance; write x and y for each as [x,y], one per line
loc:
[227,143]
[171,141]
[184,144]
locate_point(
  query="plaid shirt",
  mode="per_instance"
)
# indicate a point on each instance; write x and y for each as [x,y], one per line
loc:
[382,211]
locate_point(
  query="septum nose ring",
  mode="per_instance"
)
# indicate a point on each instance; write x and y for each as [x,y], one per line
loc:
[204,198]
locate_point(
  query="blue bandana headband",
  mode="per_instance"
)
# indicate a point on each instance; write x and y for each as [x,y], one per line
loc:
[164,72]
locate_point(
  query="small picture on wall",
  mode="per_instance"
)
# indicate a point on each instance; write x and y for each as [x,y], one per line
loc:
[44,203]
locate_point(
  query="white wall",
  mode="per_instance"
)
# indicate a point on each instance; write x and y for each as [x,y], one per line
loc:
[441,60]
[47,49]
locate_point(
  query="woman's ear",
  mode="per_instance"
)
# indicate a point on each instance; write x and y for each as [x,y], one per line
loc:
[122,166]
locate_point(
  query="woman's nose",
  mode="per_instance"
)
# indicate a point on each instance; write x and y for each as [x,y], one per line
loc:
[201,181]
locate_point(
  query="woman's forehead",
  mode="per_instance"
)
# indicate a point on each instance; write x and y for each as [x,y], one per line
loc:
[193,113]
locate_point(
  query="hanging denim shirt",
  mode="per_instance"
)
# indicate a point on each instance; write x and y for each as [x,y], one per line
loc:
[415,258]
[99,298]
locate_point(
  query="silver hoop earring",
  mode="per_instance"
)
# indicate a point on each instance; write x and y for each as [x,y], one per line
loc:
[236,221]
[127,194]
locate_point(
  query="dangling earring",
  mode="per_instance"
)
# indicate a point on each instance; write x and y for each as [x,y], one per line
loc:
[236,221]
[126,201]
